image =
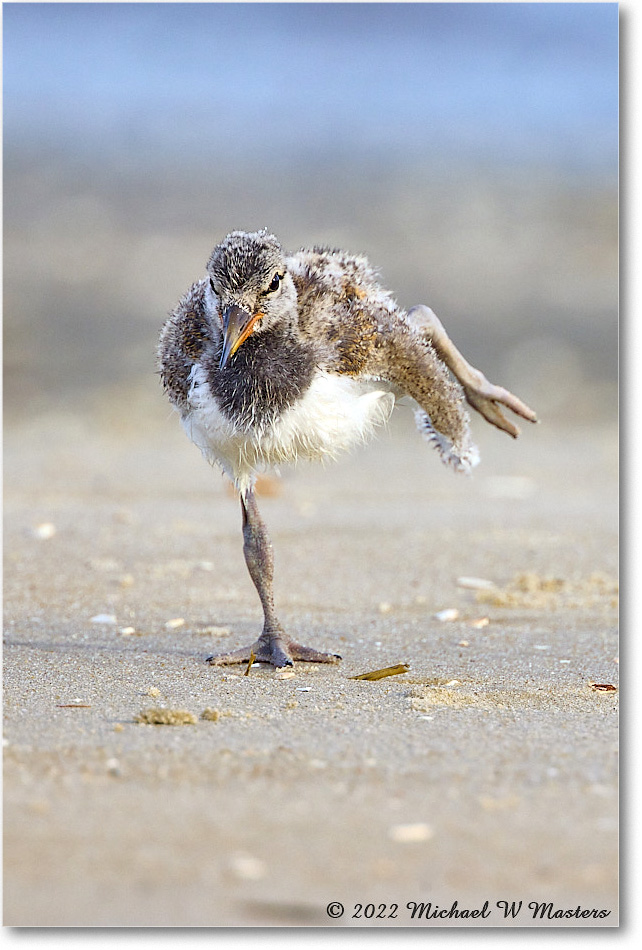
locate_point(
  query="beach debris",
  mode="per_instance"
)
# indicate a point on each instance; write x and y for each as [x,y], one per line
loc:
[380,674]
[213,631]
[530,590]
[385,607]
[127,580]
[425,698]
[283,673]
[303,689]
[213,715]
[412,833]
[450,613]
[463,643]
[73,705]
[269,486]
[44,531]
[250,662]
[153,691]
[475,583]
[103,618]
[603,687]
[127,631]
[479,623]
[245,867]
[159,716]
[175,623]
[113,767]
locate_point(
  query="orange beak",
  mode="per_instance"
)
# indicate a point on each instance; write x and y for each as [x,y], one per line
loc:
[238,324]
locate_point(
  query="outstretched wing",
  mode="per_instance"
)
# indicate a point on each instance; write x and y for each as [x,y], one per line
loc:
[366,334]
[183,340]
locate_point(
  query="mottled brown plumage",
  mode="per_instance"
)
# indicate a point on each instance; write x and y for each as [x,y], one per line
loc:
[276,356]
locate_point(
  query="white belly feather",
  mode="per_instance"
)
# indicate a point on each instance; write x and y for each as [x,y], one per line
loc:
[336,413]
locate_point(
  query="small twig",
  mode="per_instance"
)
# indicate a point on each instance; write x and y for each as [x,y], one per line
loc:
[379,674]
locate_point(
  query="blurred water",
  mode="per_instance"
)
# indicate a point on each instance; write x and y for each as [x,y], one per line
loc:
[469,149]
[527,80]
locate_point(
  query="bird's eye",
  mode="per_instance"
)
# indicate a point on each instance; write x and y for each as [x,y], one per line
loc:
[276,280]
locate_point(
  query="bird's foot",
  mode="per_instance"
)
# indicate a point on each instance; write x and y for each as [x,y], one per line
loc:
[276,649]
[486,397]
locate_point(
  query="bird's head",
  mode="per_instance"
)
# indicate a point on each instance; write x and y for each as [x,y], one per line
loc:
[251,287]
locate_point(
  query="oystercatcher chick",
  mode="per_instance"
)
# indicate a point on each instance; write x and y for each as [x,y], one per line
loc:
[275,356]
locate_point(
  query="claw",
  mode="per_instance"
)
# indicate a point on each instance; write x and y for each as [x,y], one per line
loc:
[491,412]
[484,398]
[499,394]
[275,649]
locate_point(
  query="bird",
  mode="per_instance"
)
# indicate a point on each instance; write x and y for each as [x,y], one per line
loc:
[275,356]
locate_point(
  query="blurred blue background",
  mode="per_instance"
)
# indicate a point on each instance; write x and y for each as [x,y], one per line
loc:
[471,150]
[514,82]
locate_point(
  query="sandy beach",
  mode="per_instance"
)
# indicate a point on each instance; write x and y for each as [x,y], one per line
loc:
[471,152]
[485,774]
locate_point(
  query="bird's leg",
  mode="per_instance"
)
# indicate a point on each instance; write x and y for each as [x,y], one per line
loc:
[273,646]
[480,394]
